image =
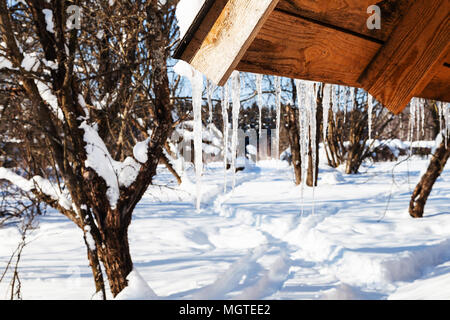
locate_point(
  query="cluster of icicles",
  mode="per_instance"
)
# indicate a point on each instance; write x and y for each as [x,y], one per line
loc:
[417,119]
[335,97]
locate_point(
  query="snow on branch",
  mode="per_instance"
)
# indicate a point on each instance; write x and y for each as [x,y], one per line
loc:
[46,94]
[21,182]
[5,63]
[115,174]
[39,184]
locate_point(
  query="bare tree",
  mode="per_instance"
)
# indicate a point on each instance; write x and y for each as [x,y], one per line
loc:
[426,183]
[84,99]
[293,133]
[25,227]
[291,121]
[313,168]
[348,134]
[19,209]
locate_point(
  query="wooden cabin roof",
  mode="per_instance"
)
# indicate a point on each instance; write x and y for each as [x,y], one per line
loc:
[328,41]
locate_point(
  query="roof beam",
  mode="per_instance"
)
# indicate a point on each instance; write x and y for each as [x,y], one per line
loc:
[292,46]
[350,14]
[231,33]
[409,60]
[439,86]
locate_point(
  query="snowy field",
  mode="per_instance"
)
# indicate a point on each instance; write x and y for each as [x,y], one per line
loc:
[253,243]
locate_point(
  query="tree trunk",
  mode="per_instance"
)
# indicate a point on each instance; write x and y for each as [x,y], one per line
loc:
[294,142]
[423,188]
[313,175]
[64,140]
[354,161]
[164,160]
[332,146]
[95,268]
[116,258]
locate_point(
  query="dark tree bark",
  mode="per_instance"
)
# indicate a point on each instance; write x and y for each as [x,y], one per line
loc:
[96,269]
[424,187]
[140,86]
[116,258]
[435,123]
[171,169]
[334,144]
[293,132]
[294,141]
[312,177]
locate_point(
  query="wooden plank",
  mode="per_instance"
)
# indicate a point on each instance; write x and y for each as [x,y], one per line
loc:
[297,48]
[230,36]
[439,86]
[409,60]
[350,14]
[303,47]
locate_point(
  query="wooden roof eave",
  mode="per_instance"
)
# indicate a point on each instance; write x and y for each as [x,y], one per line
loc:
[221,34]
[193,28]
[225,37]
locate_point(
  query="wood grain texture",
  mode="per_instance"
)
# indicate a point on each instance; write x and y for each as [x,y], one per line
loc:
[435,84]
[439,86]
[350,14]
[412,56]
[327,41]
[230,36]
[293,47]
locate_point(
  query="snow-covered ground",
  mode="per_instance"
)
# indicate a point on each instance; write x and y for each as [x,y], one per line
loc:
[252,243]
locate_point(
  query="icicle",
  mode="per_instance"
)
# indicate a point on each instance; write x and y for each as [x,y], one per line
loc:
[335,101]
[342,96]
[440,106]
[302,118]
[197,89]
[209,94]
[327,92]
[352,98]
[422,112]
[347,95]
[417,117]
[259,99]
[370,111]
[313,134]
[225,105]
[412,122]
[306,95]
[446,120]
[278,109]
[235,114]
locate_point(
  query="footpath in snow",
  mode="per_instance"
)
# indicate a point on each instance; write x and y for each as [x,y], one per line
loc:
[253,243]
